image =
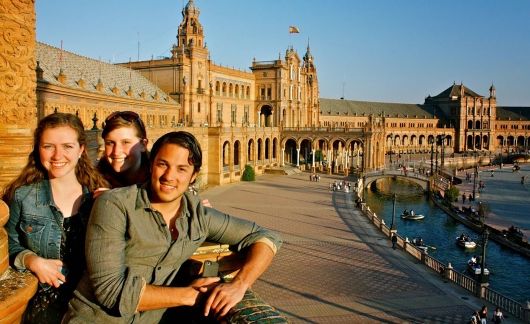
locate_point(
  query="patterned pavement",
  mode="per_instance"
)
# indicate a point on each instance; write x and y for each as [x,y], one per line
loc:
[334,266]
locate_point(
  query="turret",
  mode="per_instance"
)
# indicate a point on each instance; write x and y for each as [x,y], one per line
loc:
[492,91]
[190,32]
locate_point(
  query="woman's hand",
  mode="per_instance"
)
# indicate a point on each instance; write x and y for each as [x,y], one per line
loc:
[47,270]
[206,203]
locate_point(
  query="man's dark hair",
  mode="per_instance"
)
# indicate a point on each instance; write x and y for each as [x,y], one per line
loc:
[182,139]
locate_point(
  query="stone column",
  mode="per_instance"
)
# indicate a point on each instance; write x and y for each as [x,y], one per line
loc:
[298,157]
[18,100]
[18,118]
[313,161]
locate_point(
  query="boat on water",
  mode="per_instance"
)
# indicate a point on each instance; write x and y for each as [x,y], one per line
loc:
[411,215]
[465,241]
[418,242]
[474,268]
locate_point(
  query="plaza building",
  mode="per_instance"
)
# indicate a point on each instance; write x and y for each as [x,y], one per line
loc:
[269,116]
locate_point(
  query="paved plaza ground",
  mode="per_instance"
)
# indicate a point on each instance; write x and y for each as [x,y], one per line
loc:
[507,198]
[335,266]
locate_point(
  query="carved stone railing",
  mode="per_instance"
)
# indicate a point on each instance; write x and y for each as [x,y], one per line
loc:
[16,288]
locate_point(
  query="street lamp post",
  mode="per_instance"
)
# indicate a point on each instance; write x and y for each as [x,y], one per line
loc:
[393,224]
[475,174]
[436,170]
[483,276]
[432,152]
[443,155]
[391,147]
[485,234]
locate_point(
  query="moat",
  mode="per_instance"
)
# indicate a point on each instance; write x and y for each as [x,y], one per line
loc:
[509,270]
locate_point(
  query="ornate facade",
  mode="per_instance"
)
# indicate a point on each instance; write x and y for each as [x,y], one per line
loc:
[268,116]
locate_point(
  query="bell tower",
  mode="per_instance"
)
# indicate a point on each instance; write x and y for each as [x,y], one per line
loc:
[190,32]
[193,66]
[312,93]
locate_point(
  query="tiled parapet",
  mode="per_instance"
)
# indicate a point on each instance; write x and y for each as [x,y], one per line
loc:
[16,288]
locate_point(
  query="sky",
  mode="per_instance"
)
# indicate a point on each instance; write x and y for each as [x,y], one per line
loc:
[369,50]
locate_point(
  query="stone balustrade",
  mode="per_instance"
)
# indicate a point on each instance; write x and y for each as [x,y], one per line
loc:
[16,288]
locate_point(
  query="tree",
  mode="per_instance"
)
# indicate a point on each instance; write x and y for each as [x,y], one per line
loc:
[248,173]
[452,194]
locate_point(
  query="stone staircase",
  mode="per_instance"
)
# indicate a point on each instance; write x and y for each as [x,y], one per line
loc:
[285,170]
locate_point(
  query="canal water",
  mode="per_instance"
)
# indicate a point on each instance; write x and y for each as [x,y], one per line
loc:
[509,271]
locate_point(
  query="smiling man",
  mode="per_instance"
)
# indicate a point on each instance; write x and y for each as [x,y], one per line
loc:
[139,236]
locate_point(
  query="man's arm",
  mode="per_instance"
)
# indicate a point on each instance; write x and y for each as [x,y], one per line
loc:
[225,296]
[156,297]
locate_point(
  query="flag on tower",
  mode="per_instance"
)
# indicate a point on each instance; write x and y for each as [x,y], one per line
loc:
[293,30]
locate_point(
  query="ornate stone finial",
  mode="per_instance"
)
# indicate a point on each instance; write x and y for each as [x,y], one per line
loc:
[174,51]
[61,77]
[99,85]
[95,122]
[115,90]
[129,91]
[156,96]
[40,71]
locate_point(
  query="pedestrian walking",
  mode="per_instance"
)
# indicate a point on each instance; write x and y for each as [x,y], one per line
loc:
[464,198]
[484,315]
[475,318]
[394,240]
[497,316]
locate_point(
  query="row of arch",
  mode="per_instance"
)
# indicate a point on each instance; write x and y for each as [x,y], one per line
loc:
[418,140]
[336,153]
[257,151]
[516,141]
[231,90]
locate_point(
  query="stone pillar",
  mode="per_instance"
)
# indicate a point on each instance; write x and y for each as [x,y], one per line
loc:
[18,118]
[297,157]
[313,161]
[18,100]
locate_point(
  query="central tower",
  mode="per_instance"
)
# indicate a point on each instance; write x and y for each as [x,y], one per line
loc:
[192,68]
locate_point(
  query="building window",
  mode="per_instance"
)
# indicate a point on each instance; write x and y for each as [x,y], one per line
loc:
[245,116]
[219,116]
[233,114]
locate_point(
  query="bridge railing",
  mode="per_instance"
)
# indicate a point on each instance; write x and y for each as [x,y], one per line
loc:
[507,304]
[369,176]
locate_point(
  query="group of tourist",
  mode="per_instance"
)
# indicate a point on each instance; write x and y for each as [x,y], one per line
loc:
[481,317]
[314,177]
[340,185]
[106,242]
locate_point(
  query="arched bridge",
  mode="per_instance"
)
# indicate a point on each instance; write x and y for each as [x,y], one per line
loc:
[419,179]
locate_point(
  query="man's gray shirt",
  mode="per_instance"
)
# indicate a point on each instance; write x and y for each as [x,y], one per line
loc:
[129,245]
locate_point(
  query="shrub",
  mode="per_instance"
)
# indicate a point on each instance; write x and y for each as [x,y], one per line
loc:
[452,194]
[248,174]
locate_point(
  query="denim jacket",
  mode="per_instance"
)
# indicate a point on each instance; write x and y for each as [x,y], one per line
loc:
[36,224]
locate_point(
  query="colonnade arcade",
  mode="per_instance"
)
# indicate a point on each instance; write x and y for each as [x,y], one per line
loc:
[333,154]
[259,151]
[477,142]
[513,143]
[399,143]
